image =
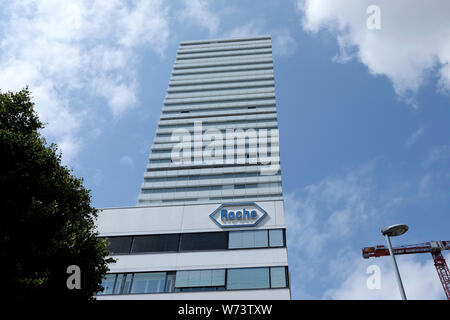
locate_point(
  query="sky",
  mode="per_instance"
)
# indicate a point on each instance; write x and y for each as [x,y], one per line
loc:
[363,101]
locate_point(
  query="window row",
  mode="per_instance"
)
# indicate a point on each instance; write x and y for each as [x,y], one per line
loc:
[213,188]
[230,198]
[216,123]
[195,280]
[206,177]
[242,147]
[178,242]
[164,112]
[270,126]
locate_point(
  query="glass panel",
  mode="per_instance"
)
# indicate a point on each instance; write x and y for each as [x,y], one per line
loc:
[235,239]
[204,241]
[276,238]
[193,278]
[200,278]
[154,243]
[119,245]
[278,277]
[148,282]
[247,239]
[260,238]
[248,278]
[218,277]
[127,284]
[118,285]
[170,282]
[108,284]
[181,279]
[205,278]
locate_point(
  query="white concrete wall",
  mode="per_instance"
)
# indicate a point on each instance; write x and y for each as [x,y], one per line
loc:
[200,260]
[176,219]
[261,294]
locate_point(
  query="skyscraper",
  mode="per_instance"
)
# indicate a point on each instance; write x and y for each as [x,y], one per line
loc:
[220,85]
[210,219]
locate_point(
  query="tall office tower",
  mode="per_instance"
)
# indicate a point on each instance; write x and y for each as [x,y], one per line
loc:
[210,219]
[218,85]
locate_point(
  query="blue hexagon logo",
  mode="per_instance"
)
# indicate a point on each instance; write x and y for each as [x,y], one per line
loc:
[237,215]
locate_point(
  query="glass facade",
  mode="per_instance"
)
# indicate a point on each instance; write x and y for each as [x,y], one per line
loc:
[195,280]
[198,241]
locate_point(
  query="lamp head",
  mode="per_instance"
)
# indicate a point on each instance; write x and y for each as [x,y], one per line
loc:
[395,230]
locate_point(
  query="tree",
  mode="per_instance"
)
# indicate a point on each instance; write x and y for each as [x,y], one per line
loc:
[47,222]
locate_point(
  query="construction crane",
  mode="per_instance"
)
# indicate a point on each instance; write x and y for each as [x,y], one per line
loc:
[434,247]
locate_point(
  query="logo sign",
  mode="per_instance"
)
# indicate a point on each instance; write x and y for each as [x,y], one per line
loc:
[236,215]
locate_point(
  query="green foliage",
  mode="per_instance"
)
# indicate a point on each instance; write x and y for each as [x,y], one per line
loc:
[47,222]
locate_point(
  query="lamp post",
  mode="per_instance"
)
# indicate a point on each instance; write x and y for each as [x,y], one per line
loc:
[393,231]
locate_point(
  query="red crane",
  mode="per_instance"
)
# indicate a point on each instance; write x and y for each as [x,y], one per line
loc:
[434,247]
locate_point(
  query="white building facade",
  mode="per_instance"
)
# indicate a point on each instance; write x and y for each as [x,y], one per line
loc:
[210,219]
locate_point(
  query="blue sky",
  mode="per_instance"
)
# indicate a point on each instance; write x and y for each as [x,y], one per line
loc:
[363,115]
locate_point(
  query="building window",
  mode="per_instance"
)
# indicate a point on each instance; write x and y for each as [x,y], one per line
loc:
[118,283]
[153,282]
[108,284]
[196,241]
[200,278]
[123,283]
[248,239]
[195,280]
[170,282]
[256,278]
[155,243]
[203,241]
[119,245]
[248,278]
[277,277]
[276,238]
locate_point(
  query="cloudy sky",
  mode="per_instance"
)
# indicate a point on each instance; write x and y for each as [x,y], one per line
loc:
[363,114]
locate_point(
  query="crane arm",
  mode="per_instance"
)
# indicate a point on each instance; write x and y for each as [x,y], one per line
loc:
[432,246]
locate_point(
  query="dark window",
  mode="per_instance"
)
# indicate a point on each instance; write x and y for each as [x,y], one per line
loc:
[153,243]
[204,241]
[119,245]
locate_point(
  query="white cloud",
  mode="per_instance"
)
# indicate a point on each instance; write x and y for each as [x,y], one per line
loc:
[420,280]
[437,154]
[126,161]
[423,189]
[322,214]
[324,219]
[413,41]
[71,51]
[283,42]
[252,28]
[198,12]
[413,138]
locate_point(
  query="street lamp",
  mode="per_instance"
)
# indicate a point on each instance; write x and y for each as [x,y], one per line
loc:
[393,231]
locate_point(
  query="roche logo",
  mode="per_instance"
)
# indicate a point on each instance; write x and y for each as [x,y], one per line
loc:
[235,215]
